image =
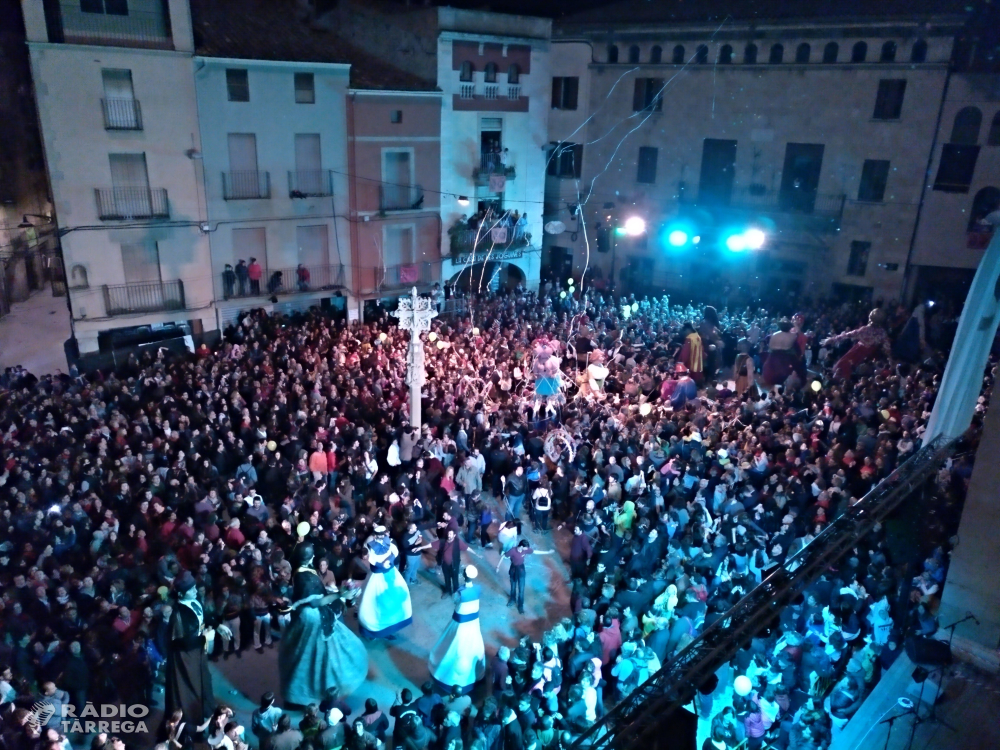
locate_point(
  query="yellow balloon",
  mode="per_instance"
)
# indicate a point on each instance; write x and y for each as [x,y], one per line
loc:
[303,528]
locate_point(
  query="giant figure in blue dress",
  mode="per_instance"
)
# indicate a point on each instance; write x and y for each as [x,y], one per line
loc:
[459,657]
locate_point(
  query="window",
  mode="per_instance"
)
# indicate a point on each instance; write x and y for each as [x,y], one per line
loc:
[564,92]
[777,54]
[802,53]
[750,54]
[857,264]
[993,139]
[397,178]
[309,164]
[859,52]
[314,248]
[612,53]
[958,163]
[396,116]
[490,73]
[397,241]
[965,129]
[250,242]
[701,54]
[106,7]
[243,180]
[918,53]
[718,168]
[678,58]
[656,54]
[889,101]
[647,164]
[141,263]
[647,95]
[513,74]
[565,160]
[874,176]
[888,52]
[467,71]
[830,52]
[130,185]
[633,54]
[305,88]
[725,54]
[237,84]
[120,110]
[986,202]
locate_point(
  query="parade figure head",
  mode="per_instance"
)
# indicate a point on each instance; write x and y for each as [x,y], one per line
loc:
[304,554]
[185,586]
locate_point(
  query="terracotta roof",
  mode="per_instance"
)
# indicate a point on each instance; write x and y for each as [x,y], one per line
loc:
[278,30]
[634,12]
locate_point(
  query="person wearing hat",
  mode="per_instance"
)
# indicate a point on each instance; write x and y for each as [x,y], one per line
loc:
[189,683]
[458,659]
[318,650]
[385,606]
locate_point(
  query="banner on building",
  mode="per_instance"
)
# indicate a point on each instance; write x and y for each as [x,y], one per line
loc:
[497,183]
[498,235]
[409,274]
[480,257]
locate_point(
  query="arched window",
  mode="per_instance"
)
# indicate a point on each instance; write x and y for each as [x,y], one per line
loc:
[513,73]
[78,277]
[701,56]
[777,54]
[888,52]
[656,54]
[986,202]
[965,129]
[802,53]
[633,54]
[993,139]
[490,73]
[830,52]
[859,52]
[612,53]
[725,54]
[918,53]
[750,54]
[678,58]
[467,71]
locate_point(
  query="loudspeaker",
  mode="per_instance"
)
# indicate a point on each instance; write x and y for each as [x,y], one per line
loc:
[928,651]
[931,688]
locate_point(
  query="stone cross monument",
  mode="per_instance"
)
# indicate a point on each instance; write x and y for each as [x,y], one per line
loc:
[415,313]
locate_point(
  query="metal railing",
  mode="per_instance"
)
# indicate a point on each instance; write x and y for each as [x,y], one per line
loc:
[132,203]
[399,276]
[310,183]
[630,723]
[491,163]
[121,113]
[463,240]
[234,287]
[107,22]
[467,91]
[513,91]
[246,184]
[393,197]
[302,279]
[146,297]
[491,91]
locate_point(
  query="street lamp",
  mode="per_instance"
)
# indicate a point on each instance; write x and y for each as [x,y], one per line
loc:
[634,226]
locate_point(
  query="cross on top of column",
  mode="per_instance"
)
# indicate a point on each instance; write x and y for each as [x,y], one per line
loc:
[415,313]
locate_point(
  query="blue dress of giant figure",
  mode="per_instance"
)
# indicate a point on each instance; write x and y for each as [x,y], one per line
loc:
[459,657]
[318,651]
[385,604]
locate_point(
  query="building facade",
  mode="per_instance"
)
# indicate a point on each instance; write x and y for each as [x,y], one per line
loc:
[816,131]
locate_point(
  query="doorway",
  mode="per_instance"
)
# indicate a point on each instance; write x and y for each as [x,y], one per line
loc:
[718,168]
[800,176]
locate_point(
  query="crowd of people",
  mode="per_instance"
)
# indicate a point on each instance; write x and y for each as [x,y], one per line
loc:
[675,500]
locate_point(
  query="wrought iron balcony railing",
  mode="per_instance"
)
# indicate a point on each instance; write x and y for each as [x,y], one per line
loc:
[131,203]
[310,183]
[122,114]
[303,279]
[400,197]
[246,184]
[145,297]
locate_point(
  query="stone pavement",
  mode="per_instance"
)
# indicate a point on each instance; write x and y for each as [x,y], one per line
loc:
[32,334]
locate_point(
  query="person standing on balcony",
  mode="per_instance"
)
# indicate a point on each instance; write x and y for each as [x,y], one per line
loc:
[242,274]
[254,272]
[437,297]
[504,161]
[521,227]
[302,275]
[228,281]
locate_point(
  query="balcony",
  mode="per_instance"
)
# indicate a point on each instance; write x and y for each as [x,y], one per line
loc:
[813,212]
[489,165]
[401,276]
[108,23]
[513,91]
[148,297]
[121,114]
[310,183]
[246,184]
[298,280]
[499,239]
[491,91]
[122,203]
[467,91]
[400,197]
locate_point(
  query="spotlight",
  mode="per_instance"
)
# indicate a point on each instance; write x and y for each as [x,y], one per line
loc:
[677,238]
[634,226]
[754,238]
[736,242]
[930,303]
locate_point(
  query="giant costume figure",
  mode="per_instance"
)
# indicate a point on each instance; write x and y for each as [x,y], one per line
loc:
[189,683]
[385,604]
[318,651]
[459,657]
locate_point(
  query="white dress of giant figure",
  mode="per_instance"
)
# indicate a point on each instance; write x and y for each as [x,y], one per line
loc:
[459,657]
[385,604]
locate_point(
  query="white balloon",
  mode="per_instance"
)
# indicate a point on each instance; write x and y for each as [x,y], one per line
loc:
[742,685]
